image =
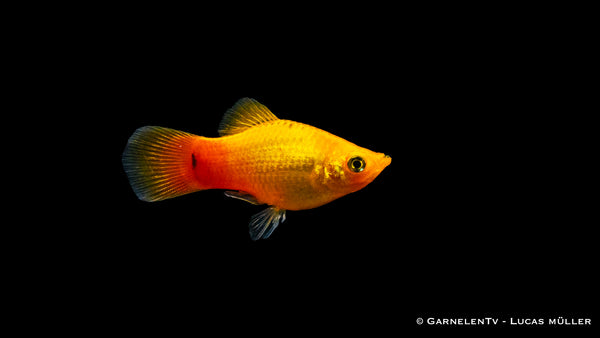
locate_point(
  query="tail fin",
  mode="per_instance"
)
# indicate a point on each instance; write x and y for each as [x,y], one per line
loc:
[159,163]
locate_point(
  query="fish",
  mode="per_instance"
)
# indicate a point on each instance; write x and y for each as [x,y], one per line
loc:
[258,158]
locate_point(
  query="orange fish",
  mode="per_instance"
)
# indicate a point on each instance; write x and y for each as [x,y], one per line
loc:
[258,158]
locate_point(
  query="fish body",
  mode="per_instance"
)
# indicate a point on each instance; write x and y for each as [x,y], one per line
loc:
[259,158]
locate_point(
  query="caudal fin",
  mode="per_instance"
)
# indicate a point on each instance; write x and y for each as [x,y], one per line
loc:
[159,163]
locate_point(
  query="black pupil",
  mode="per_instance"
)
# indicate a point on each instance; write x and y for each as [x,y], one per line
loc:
[356,164]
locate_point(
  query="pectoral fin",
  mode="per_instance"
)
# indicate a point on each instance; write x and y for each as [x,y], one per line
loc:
[264,223]
[244,196]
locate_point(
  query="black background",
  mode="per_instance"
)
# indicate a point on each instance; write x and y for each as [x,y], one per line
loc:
[482,212]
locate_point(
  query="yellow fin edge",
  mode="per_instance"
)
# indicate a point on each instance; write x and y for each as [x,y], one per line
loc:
[245,113]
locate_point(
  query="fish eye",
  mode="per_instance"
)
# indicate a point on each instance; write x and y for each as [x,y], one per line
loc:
[356,164]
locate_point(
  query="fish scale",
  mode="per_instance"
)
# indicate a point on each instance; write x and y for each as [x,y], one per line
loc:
[274,161]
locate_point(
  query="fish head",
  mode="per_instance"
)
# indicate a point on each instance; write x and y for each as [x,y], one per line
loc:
[363,167]
[354,168]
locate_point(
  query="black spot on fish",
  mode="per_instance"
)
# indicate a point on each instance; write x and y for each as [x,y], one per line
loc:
[193,161]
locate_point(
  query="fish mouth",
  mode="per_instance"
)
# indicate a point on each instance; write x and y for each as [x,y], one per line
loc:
[381,163]
[387,160]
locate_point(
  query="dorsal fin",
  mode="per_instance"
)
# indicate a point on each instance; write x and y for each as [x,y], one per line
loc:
[244,114]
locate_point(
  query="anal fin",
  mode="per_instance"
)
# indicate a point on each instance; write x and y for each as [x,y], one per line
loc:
[265,222]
